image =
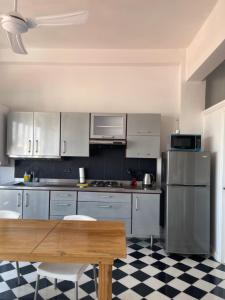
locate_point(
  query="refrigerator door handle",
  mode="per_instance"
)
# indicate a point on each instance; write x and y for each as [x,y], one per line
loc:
[191,185]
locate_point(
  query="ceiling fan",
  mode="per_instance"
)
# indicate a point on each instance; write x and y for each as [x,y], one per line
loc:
[15,24]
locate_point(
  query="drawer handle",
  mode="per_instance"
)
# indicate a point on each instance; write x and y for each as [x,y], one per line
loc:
[107,196]
[105,206]
[63,204]
[63,195]
[144,131]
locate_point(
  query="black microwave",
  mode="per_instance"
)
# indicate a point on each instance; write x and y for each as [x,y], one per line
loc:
[189,142]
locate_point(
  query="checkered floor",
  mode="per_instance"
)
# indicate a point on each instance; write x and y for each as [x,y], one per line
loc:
[145,274]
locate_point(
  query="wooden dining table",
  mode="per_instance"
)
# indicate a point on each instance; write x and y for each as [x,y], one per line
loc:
[59,241]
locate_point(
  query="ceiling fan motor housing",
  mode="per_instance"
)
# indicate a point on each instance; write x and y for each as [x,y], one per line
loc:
[14,24]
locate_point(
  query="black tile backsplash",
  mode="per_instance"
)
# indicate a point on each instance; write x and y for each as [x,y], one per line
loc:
[105,163]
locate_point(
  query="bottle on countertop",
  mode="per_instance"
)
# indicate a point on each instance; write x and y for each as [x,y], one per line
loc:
[26,177]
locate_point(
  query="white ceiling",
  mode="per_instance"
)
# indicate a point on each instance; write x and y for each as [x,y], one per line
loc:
[115,23]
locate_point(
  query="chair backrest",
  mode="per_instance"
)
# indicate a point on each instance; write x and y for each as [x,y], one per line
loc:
[78,218]
[9,214]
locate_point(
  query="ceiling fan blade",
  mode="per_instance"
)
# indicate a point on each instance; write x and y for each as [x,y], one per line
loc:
[16,43]
[78,17]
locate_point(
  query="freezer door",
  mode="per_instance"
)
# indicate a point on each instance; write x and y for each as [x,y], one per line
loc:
[188,220]
[188,168]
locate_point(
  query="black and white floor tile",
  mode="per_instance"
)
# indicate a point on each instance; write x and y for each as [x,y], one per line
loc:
[147,274]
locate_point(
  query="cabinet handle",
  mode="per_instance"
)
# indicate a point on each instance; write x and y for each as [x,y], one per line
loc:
[18,200]
[29,146]
[136,204]
[63,195]
[64,146]
[105,206]
[144,131]
[107,136]
[107,196]
[63,204]
[26,200]
[36,146]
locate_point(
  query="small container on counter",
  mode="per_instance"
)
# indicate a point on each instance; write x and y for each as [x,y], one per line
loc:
[26,177]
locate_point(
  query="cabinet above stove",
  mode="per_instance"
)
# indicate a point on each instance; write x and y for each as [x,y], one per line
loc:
[108,127]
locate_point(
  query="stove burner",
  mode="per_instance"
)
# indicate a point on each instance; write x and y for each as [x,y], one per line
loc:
[101,183]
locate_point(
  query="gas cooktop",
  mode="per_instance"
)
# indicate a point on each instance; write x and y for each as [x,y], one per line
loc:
[101,183]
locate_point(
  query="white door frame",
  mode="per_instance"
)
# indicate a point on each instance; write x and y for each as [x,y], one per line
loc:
[214,138]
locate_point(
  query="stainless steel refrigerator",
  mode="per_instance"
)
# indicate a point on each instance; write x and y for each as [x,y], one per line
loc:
[185,205]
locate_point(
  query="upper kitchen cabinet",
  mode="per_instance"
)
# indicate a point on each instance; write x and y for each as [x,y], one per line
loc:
[143,124]
[46,134]
[143,146]
[75,134]
[33,134]
[143,136]
[108,126]
[20,134]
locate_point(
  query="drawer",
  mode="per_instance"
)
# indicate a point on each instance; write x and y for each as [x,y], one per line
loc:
[63,195]
[62,207]
[104,197]
[105,209]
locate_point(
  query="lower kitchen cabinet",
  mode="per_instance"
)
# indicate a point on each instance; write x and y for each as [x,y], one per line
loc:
[62,203]
[106,206]
[11,200]
[145,215]
[35,204]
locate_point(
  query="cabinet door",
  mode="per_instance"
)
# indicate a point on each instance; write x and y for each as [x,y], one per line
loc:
[143,146]
[36,205]
[75,134]
[20,134]
[145,220]
[108,126]
[11,200]
[46,134]
[143,124]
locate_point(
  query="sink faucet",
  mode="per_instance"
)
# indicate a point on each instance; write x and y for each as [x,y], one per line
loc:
[33,178]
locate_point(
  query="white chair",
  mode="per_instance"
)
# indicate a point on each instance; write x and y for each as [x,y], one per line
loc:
[9,214]
[70,272]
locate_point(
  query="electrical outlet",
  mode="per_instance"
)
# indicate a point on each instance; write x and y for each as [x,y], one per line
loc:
[68,170]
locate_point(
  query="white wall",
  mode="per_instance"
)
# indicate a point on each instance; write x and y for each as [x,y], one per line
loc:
[191,107]
[133,88]
[207,49]
[104,80]
[6,169]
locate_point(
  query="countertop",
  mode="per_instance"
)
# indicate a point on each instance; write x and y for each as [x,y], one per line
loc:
[69,186]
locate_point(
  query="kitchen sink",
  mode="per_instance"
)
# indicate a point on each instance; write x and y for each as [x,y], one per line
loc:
[29,184]
[43,184]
